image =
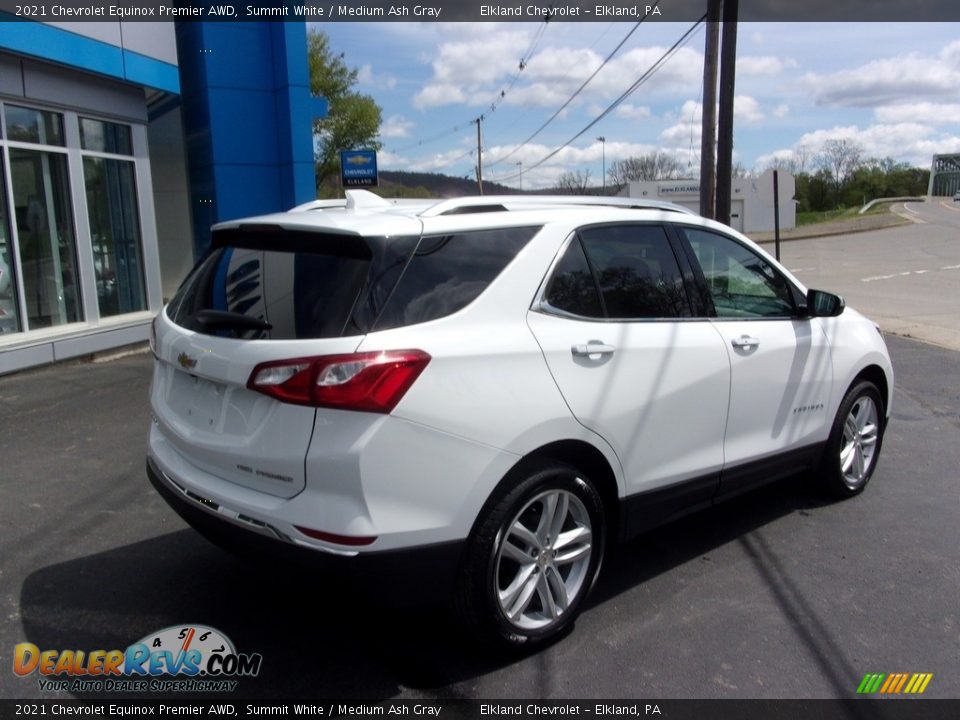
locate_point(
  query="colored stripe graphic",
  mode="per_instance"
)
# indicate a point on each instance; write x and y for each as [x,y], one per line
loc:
[870,683]
[894,683]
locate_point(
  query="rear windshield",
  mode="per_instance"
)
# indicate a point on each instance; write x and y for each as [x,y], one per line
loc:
[269,283]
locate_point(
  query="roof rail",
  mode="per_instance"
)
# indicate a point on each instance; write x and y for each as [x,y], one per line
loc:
[360,200]
[498,203]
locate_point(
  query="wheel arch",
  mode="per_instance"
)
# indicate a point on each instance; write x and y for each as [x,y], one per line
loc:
[876,375]
[578,454]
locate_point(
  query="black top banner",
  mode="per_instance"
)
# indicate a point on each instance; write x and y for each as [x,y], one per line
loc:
[479,11]
[483,709]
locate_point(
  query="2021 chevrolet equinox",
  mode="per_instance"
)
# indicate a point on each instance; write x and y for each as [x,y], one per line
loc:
[497,388]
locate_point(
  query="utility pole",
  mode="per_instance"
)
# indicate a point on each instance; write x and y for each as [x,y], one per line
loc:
[708,132]
[603,151]
[728,60]
[479,157]
[520,165]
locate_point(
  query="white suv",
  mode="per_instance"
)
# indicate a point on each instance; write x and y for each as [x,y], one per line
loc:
[496,388]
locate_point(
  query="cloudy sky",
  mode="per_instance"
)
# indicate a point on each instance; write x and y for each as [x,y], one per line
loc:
[894,88]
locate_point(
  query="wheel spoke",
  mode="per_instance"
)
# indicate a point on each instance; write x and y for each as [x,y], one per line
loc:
[559,518]
[549,504]
[846,457]
[859,464]
[522,532]
[868,436]
[850,428]
[515,553]
[546,597]
[573,545]
[515,599]
[558,590]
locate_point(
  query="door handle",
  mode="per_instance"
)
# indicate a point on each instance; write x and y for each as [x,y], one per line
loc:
[592,348]
[745,342]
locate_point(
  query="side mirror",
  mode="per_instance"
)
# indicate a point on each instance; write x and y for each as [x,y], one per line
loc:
[824,304]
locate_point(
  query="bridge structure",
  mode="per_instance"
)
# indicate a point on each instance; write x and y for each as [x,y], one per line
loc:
[944,175]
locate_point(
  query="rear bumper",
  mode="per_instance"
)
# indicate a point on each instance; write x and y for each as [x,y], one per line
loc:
[419,575]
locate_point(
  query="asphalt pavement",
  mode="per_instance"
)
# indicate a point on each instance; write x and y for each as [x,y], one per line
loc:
[777,594]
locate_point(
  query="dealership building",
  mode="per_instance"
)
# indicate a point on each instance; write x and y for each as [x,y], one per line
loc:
[120,144]
[751,199]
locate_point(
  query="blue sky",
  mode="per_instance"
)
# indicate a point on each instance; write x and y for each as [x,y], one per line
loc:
[893,88]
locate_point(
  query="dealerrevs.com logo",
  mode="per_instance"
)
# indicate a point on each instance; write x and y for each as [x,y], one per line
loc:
[181,658]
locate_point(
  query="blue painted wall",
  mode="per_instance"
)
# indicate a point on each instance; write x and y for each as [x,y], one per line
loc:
[248,119]
[62,46]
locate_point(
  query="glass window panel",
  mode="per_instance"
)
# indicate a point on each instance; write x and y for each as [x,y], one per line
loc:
[48,256]
[572,288]
[741,283]
[447,273]
[34,126]
[115,235]
[638,274]
[9,315]
[101,136]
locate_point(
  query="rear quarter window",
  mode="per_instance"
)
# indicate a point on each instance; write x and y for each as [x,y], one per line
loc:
[448,272]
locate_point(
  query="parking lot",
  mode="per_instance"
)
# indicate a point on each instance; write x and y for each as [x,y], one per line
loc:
[777,594]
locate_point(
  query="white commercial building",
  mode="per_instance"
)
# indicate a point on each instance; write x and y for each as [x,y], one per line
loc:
[751,199]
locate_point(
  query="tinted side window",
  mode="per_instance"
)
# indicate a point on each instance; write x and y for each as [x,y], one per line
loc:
[572,288]
[448,272]
[637,271]
[741,283]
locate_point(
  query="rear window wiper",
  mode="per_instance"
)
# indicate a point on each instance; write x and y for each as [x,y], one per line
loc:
[227,319]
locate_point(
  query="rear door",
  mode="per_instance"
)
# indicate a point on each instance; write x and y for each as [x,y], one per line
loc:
[258,297]
[633,362]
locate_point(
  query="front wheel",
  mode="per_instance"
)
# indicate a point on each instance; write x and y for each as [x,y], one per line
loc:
[855,439]
[534,556]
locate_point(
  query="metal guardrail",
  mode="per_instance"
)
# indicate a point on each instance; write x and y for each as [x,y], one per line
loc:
[877,201]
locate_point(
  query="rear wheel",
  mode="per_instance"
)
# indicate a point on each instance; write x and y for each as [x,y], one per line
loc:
[855,440]
[534,556]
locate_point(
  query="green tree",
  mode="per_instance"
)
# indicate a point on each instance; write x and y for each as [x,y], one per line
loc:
[353,119]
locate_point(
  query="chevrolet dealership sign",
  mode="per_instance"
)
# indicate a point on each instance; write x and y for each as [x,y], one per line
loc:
[358,168]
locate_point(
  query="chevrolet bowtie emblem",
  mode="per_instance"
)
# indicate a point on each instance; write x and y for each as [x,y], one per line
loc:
[186,362]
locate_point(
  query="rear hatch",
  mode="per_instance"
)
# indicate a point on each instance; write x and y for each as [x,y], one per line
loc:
[263,293]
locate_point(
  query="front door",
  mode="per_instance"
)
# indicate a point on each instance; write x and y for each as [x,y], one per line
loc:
[780,365]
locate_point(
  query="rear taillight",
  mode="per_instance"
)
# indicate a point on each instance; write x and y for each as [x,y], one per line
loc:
[370,381]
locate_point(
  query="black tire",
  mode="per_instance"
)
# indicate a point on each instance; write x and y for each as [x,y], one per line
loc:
[853,447]
[504,565]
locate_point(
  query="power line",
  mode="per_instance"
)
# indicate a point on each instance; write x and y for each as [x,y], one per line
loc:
[575,94]
[495,103]
[629,91]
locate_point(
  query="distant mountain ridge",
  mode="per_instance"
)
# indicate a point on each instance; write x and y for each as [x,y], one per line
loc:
[399,183]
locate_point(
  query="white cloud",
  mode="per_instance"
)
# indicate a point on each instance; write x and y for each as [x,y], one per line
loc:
[888,81]
[781,111]
[920,112]
[767,65]
[746,110]
[907,142]
[438,94]
[396,126]
[632,112]
[471,68]
[475,69]
[688,121]
[367,77]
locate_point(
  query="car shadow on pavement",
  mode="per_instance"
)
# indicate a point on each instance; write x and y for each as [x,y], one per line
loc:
[317,638]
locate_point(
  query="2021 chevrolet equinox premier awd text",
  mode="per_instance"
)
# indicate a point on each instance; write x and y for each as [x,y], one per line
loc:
[497,388]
